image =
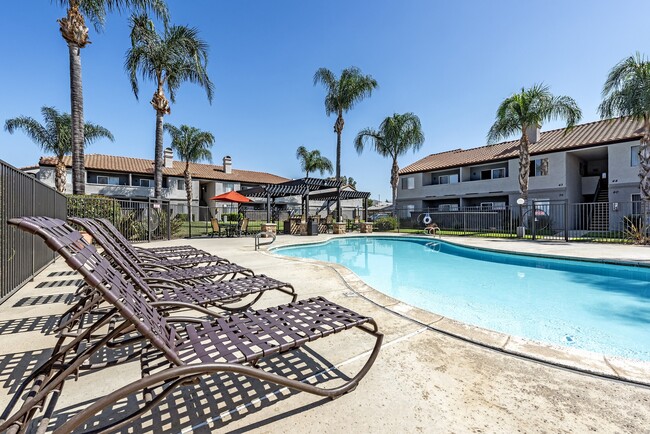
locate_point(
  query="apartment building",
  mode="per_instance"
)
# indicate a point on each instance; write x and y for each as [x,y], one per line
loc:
[594,162]
[132,178]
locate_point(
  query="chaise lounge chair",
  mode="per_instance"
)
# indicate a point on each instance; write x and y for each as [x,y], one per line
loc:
[180,351]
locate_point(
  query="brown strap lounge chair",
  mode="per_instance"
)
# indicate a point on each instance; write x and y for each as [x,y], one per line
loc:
[216,229]
[162,259]
[192,348]
[218,294]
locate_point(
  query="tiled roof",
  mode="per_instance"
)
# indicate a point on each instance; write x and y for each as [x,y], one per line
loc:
[111,163]
[581,136]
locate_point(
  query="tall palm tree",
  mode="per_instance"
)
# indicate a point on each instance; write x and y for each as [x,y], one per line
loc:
[396,135]
[176,56]
[191,145]
[75,33]
[343,93]
[312,161]
[55,136]
[627,93]
[528,109]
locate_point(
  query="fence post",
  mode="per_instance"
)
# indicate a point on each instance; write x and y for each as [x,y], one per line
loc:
[33,238]
[533,218]
[169,221]
[566,219]
[149,219]
[114,221]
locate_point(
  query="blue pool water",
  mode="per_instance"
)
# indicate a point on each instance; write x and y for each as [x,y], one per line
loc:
[597,307]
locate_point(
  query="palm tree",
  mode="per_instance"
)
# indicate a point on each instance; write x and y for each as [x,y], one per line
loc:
[75,33]
[176,56]
[312,161]
[397,135]
[55,136]
[191,145]
[342,95]
[627,93]
[526,110]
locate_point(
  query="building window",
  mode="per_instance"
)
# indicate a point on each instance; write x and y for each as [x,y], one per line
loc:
[146,183]
[493,173]
[448,207]
[408,183]
[539,167]
[180,184]
[108,180]
[228,186]
[634,156]
[410,209]
[448,179]
[492,206]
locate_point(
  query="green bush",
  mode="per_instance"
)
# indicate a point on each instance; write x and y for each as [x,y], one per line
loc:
[385,224]
[93,207]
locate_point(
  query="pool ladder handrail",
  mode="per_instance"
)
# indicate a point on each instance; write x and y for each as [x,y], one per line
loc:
[266,234]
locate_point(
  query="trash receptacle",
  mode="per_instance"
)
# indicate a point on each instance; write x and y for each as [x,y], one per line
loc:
[287,227]
[312,227]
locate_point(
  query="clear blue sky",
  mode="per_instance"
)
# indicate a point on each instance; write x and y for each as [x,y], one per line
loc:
[451,63]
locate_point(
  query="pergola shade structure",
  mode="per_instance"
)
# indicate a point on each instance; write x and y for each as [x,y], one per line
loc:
[307,188]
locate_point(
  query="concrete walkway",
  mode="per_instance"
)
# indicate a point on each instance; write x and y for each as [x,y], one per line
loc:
[423,381]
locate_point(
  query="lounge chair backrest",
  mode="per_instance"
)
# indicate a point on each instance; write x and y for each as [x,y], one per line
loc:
[244,225]
[215,224]
[116,236]
[123,261]
[100,274]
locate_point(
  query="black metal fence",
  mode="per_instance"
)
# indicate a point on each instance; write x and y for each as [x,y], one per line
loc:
[198,222]
[618,222]
[22,255]
[140,220]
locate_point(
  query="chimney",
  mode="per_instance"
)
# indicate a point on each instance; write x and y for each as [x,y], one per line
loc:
[168,158]
[533,134]
[227,164]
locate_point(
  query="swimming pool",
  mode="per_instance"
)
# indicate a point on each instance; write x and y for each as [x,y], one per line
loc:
[588,305]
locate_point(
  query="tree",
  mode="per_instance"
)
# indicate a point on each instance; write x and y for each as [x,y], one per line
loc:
[313,161]
[627,93]
[343,94]
[176,56]
[75,33]
[396,135]
[191,145]
[55,136]
[529,109]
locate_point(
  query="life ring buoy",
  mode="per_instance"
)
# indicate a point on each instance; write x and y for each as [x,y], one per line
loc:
[427,219]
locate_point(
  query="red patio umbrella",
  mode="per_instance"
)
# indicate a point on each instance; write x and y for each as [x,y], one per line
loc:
[231,196]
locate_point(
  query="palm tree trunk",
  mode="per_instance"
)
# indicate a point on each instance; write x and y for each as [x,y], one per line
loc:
[644,173]
[77,115]
[59,175]
[188,188]
[338,128]
[161,106]
[394,181]
[524,165]
[158,158]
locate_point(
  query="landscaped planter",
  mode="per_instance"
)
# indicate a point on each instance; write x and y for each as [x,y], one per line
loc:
[269,227]
[365,228]
[338,228]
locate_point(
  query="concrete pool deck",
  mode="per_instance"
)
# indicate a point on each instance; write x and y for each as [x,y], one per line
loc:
[422,381]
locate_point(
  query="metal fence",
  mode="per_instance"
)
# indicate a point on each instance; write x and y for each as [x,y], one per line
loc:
[618,222]
[140,220]
[21,254]
[198,222]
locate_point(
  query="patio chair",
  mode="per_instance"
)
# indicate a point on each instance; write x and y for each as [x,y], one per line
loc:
[143,256]
[216,229]
[243,229]
[180,351]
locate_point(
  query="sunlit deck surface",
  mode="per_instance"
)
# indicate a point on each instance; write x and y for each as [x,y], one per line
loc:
[422,381]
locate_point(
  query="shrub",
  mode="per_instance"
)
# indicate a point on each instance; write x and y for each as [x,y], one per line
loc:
[232,217]
[93,207]
[385,224]
[635,230]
